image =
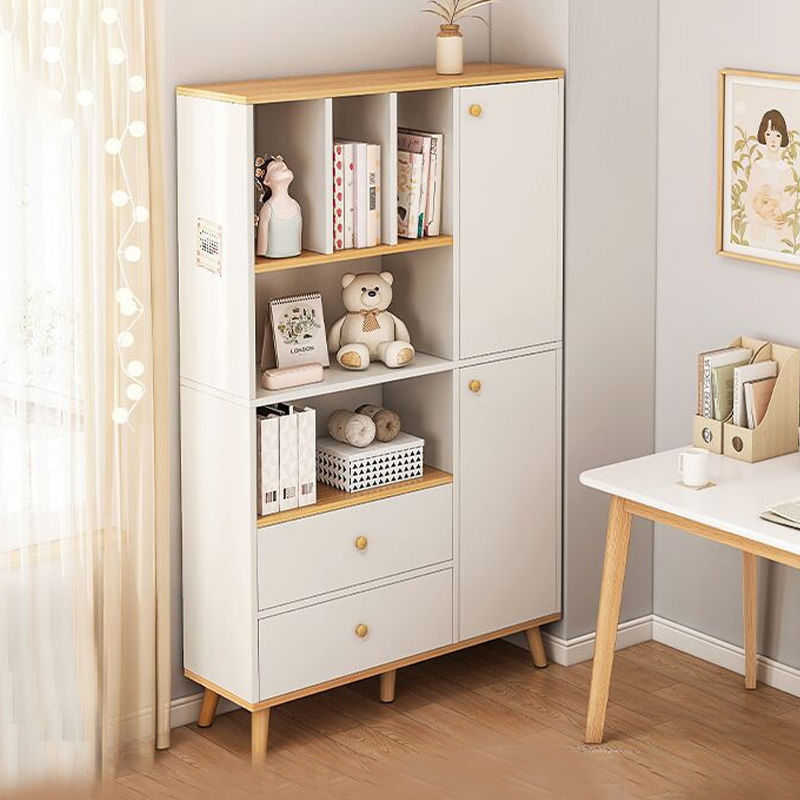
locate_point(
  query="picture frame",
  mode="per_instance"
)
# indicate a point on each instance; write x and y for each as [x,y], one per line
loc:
[758,167]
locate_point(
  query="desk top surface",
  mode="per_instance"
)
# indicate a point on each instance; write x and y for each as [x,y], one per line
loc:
[741,492]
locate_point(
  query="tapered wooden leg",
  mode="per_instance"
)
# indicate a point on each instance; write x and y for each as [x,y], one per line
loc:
[750,608]
[208,709]
[388,680]
[534,636]
[618,538]
[259,731]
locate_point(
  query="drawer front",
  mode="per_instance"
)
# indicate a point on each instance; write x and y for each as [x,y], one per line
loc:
[343,548]
[320,643]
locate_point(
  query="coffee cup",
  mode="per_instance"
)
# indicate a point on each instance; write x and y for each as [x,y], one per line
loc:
[694,465]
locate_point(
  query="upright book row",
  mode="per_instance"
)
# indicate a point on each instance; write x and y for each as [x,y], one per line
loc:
[419,183]
[287,458]
[356,194]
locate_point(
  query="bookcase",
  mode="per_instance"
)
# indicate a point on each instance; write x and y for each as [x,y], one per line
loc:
[279,607]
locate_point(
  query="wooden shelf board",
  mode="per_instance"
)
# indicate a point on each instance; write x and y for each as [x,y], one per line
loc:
[330,499]
[338,379]
[309,258]
[313,87]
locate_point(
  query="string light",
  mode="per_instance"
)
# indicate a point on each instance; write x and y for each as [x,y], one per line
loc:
[124,295]
[133,254]
[135,369]
[51,54]
[120,415]
[109,15]
[136,83]
[141,214]
[135,392]
[119,198]
[137,128]
[113,146]
[116,55]
[51,15]
[85,98]
[125,339]
[128,309]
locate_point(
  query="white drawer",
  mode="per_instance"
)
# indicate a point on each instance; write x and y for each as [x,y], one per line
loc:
[318,554]
[319,643]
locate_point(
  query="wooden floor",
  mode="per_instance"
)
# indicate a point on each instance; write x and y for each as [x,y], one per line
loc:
[484,723]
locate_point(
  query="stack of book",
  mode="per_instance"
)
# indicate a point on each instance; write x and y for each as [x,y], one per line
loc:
[419,183]
[733,388]
[356,194]
[287,457]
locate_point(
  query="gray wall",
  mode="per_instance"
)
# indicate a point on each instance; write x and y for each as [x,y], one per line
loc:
[218,40]
[610,52]
[705,300]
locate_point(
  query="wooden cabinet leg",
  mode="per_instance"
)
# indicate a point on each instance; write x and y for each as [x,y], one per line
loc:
[750,609]
[259,731]
[388,680]
[534,636]
[618,538]
[208,709]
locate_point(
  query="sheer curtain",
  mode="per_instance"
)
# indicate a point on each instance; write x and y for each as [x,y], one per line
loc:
[84,601]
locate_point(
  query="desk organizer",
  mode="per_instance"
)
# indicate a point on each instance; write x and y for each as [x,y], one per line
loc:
[352,469]
[777,434]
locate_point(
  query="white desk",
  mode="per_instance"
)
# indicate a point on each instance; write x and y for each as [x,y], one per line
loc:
[728,512]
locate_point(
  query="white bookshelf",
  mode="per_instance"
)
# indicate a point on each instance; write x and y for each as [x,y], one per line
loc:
[472,550]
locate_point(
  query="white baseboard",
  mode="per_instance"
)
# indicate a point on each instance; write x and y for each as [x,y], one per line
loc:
[186,710]
[723,654]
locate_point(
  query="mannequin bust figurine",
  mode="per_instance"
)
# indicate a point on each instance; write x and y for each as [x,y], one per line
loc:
[280,222]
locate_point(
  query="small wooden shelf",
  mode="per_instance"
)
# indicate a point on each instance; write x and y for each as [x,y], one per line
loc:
[407,79]
[310,258]
[338,379]
[330,499]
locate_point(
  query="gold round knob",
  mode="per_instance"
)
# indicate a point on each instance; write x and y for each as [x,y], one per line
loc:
[475,110]
[361,630]
[361,543]
[475,386]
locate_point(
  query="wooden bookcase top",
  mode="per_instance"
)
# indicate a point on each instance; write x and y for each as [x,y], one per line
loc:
[407,79]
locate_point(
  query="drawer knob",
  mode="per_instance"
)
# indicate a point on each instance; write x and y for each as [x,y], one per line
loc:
[361,543]
[475,110]
[474,386]
[361,630]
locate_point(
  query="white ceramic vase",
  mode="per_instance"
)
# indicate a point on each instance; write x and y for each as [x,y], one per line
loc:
[449,50]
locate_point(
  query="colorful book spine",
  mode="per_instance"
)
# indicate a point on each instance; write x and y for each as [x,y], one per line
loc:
[409,174]
[433,207]
[306,456]
[338,197]
[348,167]
[373,195]
[418,143]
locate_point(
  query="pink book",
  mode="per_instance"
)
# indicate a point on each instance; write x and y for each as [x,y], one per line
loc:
[338,197]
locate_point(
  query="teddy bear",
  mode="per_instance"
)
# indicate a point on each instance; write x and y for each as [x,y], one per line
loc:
[368,330]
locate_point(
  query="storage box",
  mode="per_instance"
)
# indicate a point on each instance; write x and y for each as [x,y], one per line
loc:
[352,469]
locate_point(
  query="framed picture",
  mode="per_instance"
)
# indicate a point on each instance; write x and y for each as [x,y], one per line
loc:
[759,167]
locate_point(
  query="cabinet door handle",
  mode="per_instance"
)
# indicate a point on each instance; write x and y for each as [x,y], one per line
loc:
[361,543]
[476,110]
[361,630]
[474,386]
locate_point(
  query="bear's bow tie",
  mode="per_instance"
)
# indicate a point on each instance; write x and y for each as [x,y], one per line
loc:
[370,321]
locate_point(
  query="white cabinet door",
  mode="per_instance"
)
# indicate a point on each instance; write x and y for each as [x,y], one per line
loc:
[510,462]
[510,228]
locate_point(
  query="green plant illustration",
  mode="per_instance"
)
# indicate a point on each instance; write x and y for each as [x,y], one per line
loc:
[298,324]
[747,153]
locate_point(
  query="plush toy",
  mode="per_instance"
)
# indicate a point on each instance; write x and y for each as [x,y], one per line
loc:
[387,423]
[357,430]
[368,330]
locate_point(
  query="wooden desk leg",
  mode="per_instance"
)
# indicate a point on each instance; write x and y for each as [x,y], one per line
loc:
[208,709]
[750,608]
[259,731]
[534,637]
[388,680]
[618,538]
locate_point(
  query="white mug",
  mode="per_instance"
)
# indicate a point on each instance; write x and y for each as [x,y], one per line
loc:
[694,466]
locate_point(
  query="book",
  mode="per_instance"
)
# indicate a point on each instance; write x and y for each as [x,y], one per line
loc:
[418,143]
[298,330]
[433,202]
[722,389]
[757,395]
[287,455]
[719,358]
[348,167]
[786,513]
[741,375]
[360,205]
[409,174]
[373,195]
[701,367]
[338,196]
[306,456]
[267,457]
